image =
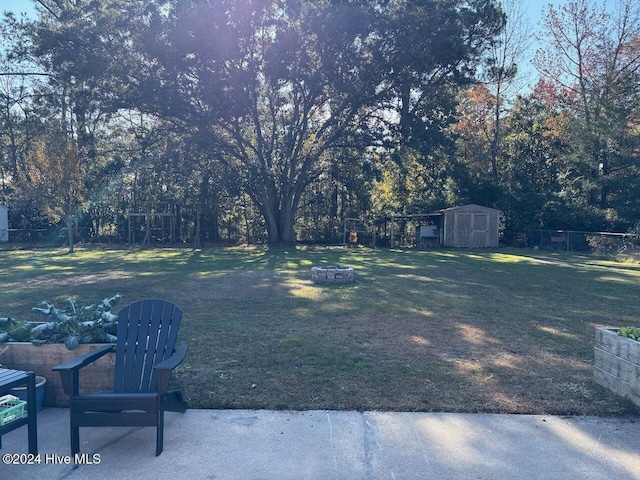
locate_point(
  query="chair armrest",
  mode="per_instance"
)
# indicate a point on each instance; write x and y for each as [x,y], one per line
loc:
[70,370]
[84,360]
[164,368]
[174,360]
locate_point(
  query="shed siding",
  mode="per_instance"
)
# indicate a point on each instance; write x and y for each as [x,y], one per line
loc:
[471,226]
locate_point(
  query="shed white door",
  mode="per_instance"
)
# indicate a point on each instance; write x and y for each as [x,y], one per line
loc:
[480,231]
[462,229]
[471,230]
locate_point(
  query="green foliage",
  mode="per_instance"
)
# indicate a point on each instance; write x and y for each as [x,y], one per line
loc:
[288,95]
[269,118]
[630,332]
[71,325]
[18,331]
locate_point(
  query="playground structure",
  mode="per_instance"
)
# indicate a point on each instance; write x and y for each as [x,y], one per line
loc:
[167,224]
[358,232]
[164,224]
[160,223]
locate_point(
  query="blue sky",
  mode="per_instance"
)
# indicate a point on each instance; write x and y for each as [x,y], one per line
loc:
[534,7]
[17,6]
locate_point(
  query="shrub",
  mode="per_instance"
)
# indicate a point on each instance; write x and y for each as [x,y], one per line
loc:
[71,325]
[630,332]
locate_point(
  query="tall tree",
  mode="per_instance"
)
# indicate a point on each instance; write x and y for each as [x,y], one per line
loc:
[532,166]
[84,48]
[501,69]
[475,130]
[18,79]
[81,50]
[593,59]
[276,86]
[281,87]
[58,178]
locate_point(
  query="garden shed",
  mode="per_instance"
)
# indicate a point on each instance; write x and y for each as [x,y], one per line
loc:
[471,226]
[4,224]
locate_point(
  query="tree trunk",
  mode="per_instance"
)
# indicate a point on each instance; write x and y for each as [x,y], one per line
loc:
[495,139]
[603,168]
[279,220]
[287,235]
[69,222]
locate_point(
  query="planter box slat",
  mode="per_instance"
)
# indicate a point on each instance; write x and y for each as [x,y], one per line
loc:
[608,340]
[616,364]
[617,386]
[40,360]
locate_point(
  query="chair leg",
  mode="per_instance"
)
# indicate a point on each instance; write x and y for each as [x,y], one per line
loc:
[32,414]
[160,433]
[75,440]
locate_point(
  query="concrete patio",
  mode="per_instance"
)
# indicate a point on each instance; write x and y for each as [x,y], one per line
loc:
[331,445]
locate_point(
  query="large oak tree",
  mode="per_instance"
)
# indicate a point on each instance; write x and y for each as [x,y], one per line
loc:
[277,88]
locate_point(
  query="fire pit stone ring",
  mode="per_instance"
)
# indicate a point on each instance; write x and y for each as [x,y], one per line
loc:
[333,275]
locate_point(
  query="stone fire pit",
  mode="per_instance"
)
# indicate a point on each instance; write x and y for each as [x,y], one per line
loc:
[333,275]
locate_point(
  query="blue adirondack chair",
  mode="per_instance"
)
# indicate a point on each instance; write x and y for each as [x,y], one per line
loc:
[145,358]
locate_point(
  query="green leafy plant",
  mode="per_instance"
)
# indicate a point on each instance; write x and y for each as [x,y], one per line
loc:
[630,332]
[71,325]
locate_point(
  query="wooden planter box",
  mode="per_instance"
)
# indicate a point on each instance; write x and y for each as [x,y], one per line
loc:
[616,362]
[40,360]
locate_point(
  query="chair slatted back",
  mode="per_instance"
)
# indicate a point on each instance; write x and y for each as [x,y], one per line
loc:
[147,332]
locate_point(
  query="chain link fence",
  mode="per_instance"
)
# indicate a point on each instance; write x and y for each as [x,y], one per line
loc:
[622,245]
[601,243]
[40,237]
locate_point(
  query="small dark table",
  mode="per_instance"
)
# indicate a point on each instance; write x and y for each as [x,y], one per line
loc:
[16,378]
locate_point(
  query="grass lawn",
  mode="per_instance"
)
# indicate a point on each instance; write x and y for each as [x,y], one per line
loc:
[503,330]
